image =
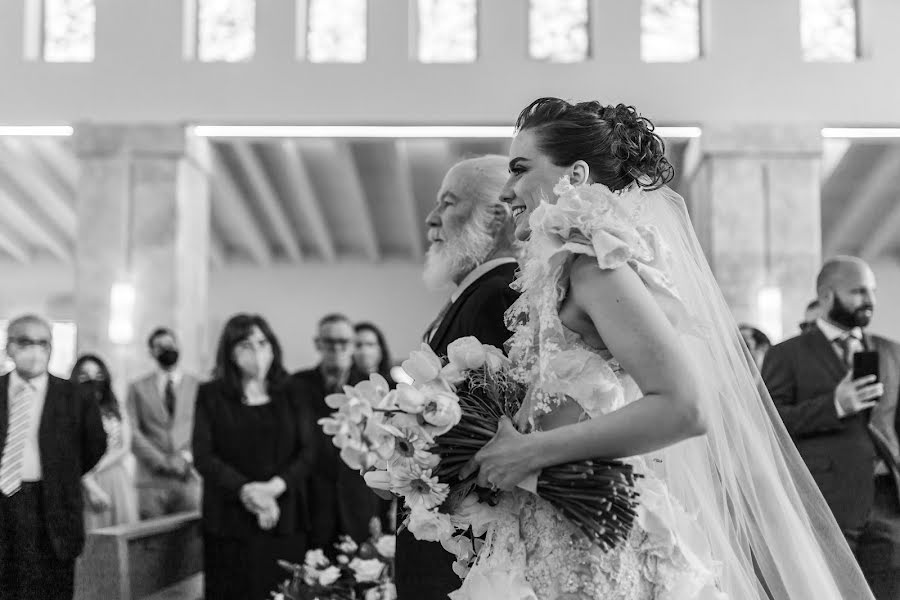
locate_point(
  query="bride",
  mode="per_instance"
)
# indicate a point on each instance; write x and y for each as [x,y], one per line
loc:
[630,352]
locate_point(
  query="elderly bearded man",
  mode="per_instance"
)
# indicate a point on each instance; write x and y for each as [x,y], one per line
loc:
[474,249]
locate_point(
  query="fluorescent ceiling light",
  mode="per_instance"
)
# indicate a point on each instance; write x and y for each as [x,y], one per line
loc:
[861,132]
[378,131]
[37,130]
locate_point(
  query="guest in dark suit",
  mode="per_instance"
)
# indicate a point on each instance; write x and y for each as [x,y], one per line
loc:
[253,447]
[50,435]
[473,248]
[846,430]
[341,503]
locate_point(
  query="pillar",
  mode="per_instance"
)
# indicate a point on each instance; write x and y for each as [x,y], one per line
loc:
[754,197]
[143,227]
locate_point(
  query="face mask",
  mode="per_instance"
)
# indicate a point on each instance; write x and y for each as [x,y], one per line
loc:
[167,358]
[32,360]
[256,364]
[93,389]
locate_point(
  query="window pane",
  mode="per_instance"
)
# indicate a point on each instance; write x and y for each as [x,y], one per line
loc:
[69,30]
[226,30]
[558,30]
[828,30]
[670,30]
[448,31]
[337,31]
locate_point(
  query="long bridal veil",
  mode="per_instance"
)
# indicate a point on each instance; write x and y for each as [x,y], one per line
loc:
[766,521]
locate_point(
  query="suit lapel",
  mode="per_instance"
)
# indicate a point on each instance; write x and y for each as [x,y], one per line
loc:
[4,410]
[824,350]
[437,340]
[155,397]
[45,429]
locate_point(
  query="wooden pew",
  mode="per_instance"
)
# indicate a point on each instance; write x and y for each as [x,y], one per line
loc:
[131,562]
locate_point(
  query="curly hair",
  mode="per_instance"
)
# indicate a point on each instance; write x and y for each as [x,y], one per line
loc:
[616,142]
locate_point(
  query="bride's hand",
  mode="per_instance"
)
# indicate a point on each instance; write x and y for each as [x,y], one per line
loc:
[505,461]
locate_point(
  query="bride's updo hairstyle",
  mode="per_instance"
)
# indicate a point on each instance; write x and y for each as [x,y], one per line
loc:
[616,142]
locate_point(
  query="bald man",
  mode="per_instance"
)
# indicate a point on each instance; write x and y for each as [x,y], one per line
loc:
[49,437]
[846,429]
[473,252]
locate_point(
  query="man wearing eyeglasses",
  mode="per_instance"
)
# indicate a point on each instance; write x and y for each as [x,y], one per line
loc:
[340,501]
[49,437]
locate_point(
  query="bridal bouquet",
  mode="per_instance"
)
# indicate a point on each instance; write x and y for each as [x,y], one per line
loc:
[415,440]
[359,572]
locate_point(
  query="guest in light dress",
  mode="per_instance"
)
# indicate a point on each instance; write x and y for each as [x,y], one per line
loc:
[109,490]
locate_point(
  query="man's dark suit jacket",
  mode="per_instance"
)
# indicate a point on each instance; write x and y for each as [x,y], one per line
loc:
[424,569]
[802,374]
[340,501]
[225,459]
[71,441]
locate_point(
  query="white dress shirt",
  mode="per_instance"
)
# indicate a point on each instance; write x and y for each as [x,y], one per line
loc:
[31,457]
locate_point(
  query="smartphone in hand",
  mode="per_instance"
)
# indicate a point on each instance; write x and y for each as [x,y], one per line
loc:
[864,364]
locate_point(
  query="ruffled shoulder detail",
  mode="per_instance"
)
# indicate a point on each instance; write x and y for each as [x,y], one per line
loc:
[609,226]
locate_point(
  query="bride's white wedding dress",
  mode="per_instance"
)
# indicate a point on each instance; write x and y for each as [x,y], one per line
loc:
[713,549]
[666,556]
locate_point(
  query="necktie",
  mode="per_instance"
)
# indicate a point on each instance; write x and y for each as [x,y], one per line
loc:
[429,333]
[170,396]
[849,346]
[16,436]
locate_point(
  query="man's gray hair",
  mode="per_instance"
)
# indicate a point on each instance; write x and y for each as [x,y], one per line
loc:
[28,319]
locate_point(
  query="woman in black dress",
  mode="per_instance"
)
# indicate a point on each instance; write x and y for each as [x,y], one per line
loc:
[254,448]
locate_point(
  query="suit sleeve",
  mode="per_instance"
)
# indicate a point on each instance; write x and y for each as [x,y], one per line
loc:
[802,417]
[143,448]
[209,464]
[485,318]
[303,459]
[93,436]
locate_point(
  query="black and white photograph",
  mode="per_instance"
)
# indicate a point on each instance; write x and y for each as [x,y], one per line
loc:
[449,300]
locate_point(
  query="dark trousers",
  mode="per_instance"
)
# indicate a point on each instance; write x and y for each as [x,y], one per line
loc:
[29,568]
[247,568]
[423,570]
[877,543]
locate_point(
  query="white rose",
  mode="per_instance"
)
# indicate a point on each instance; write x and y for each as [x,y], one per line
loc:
[386,546]
[367,570]
[496,361]
[422,365]
[385,591]
[342,560]
[409,399]
[472,513]
[347,545]
[442,411]
[315,559]
[467,353]
[329,576]
[429,525]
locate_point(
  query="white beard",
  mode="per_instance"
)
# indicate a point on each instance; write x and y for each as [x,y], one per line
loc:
[456,257]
